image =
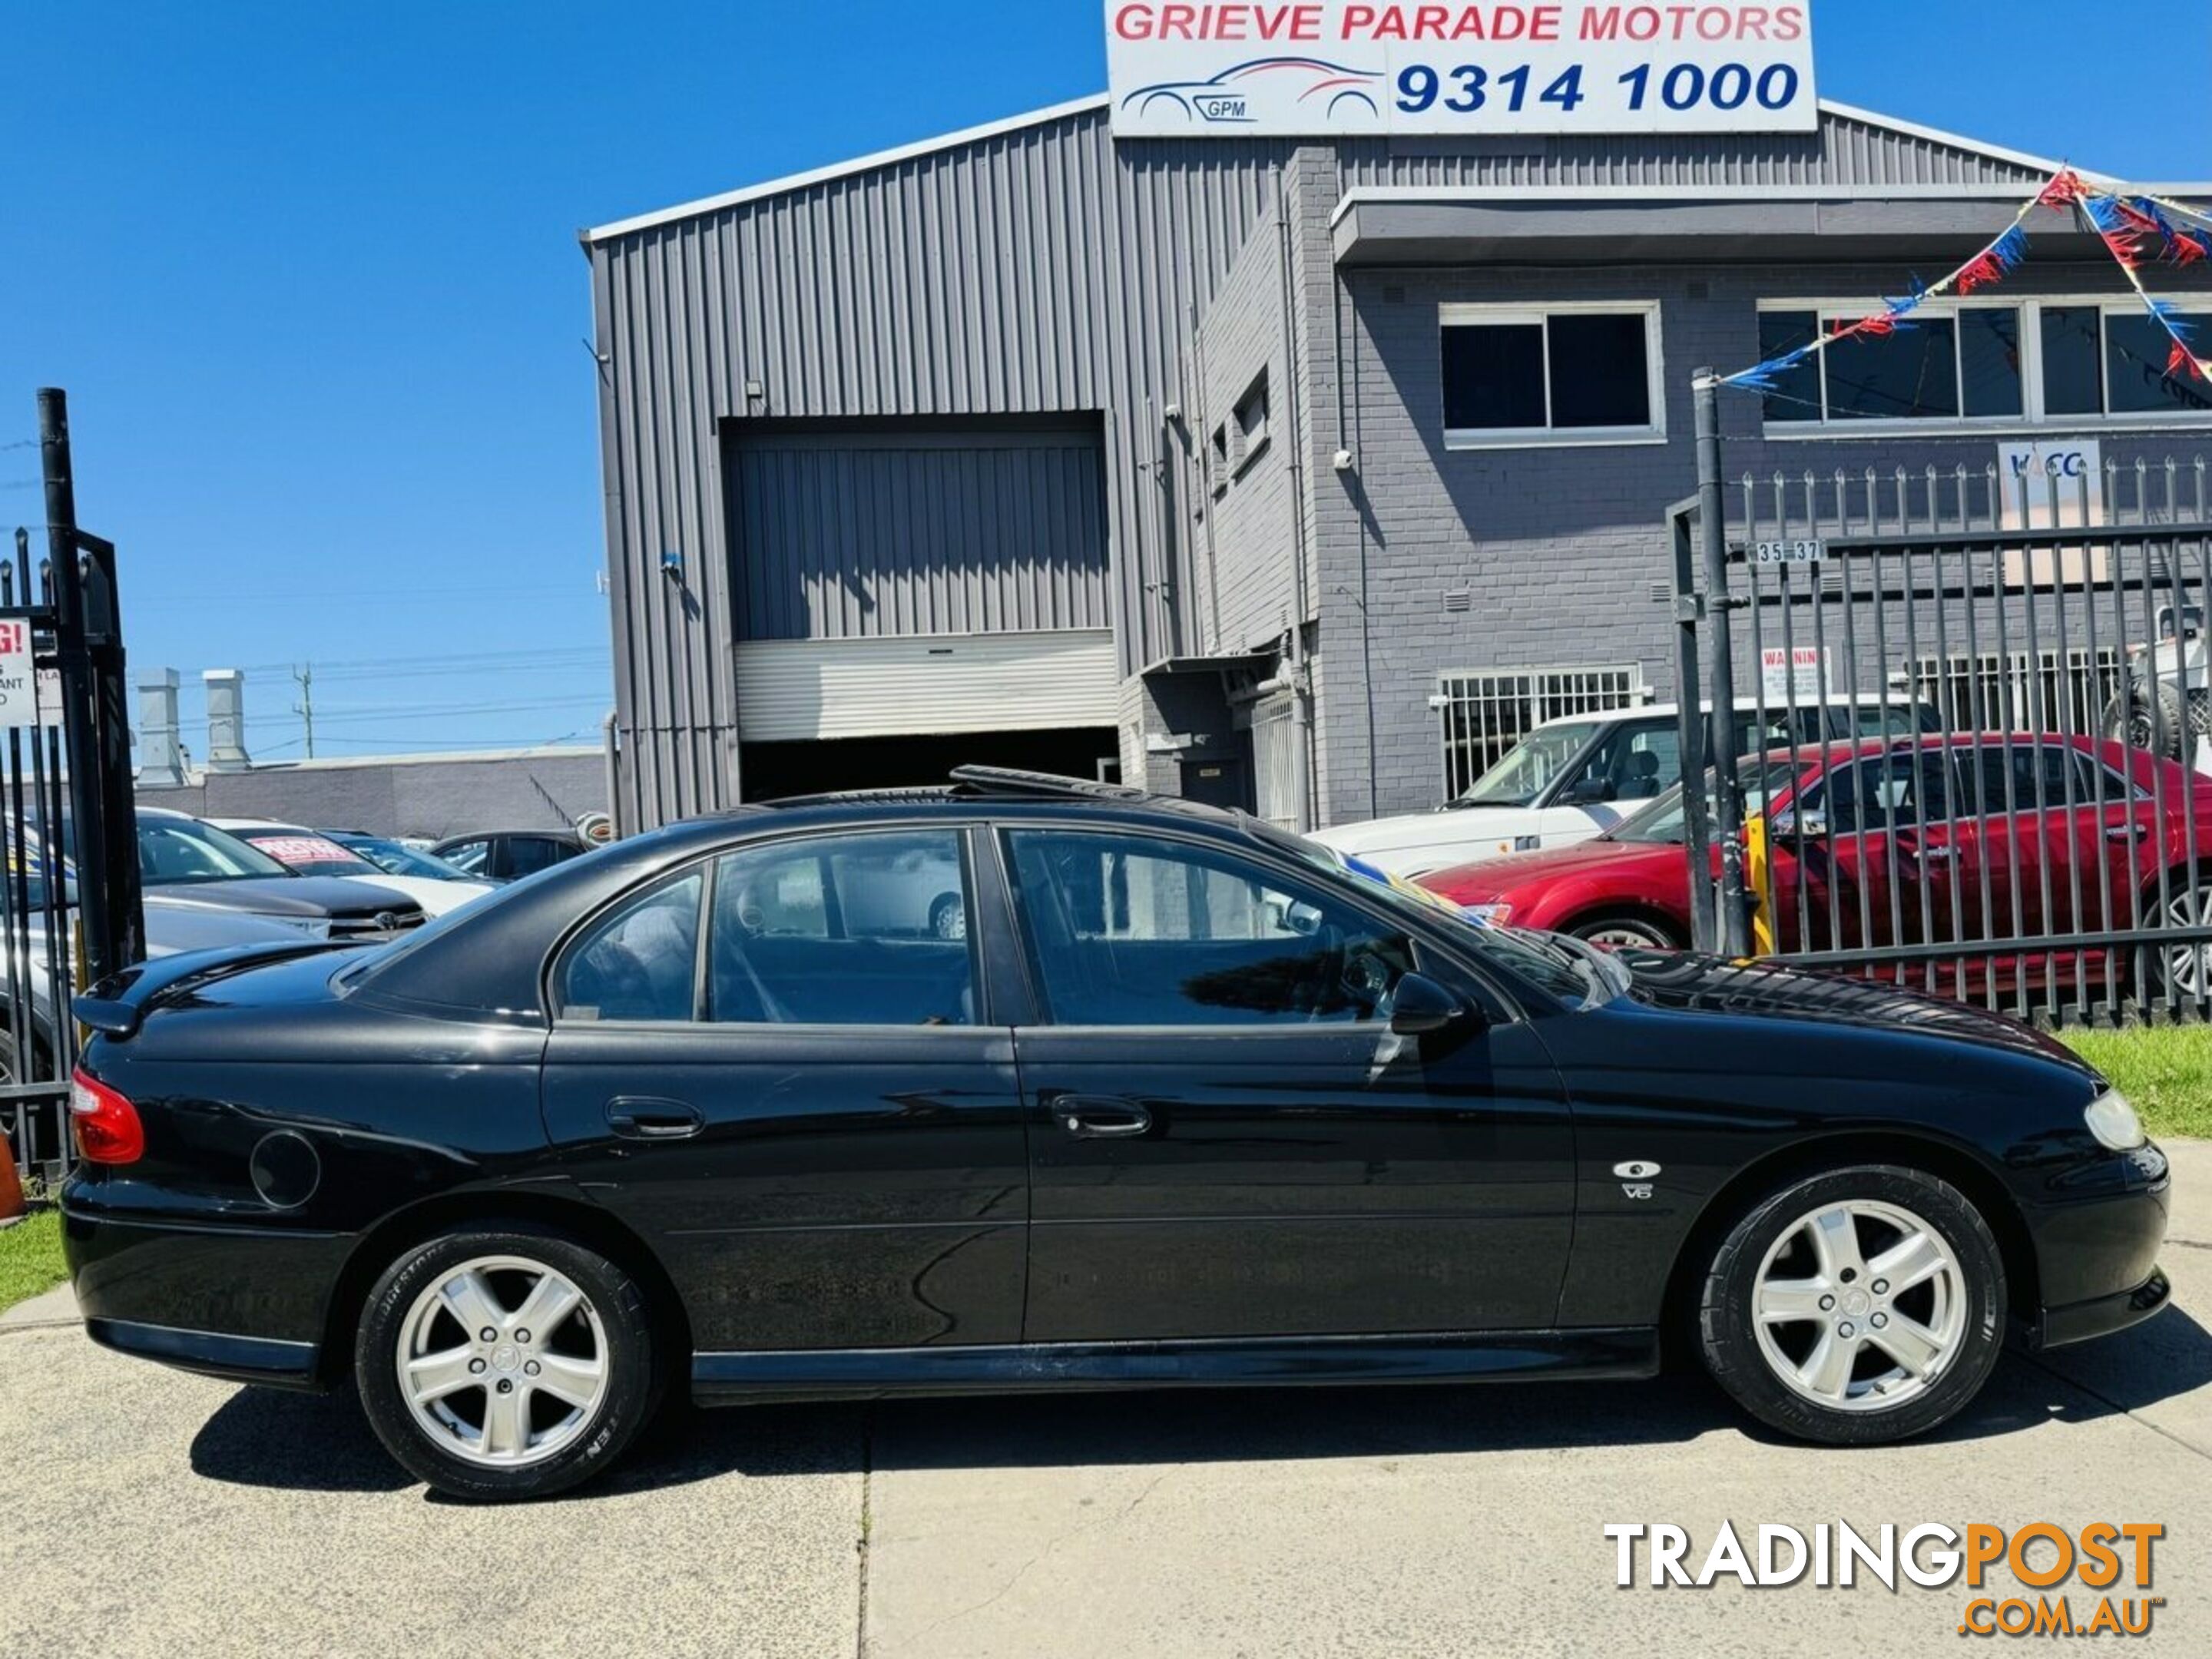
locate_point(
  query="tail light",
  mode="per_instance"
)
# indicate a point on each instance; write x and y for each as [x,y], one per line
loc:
[106,1123]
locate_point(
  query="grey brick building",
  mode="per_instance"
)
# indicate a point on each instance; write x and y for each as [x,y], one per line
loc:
[1239,465]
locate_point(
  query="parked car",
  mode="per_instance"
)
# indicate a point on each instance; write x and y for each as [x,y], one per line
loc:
[195,865]
[1574,777]
[1191,1103]
[398,858]
[310,852]
[1931,841]
[2165,704]
[503,855]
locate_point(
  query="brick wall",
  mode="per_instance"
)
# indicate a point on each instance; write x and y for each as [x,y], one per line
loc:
[1559,545]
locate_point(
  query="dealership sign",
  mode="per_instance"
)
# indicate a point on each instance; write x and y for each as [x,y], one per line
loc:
[1258,68]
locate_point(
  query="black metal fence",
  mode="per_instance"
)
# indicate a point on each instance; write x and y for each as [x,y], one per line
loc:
[2035,832]
[70,906]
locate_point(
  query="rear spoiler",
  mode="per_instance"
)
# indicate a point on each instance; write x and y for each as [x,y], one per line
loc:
[120,1002]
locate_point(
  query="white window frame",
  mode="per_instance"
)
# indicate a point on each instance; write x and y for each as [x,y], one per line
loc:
[1547,436]
[2033,417]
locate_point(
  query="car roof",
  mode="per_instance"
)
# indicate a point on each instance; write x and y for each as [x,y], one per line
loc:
[1850,749]
[234,825]
[492,962]
[1743,706]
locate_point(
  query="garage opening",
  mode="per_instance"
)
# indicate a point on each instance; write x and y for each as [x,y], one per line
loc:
[774,770]
[913,594]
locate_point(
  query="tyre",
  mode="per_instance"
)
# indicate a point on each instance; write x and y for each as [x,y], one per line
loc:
[1856,1308]
[948,917]
[1627,930]
[501,1363]
[2155,718]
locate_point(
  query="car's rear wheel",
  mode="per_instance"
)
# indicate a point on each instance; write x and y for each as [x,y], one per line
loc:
[1626,930]
[505,1362]
[1855,1308]
[2181,973]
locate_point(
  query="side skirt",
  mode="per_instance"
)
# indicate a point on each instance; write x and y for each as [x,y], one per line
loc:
[874,1373]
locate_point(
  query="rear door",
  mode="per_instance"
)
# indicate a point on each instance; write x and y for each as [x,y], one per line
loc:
[1227,1140]
[774,1070]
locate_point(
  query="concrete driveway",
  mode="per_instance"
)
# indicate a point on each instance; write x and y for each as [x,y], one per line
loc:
[147,1512]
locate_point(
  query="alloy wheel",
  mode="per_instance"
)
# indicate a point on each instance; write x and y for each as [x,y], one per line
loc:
[1626,936]
[1860,1306]
[2189,967]
[502,1361]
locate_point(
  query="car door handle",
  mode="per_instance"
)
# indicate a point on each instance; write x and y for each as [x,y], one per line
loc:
[1100,1118]
[638,1117]
[2127,831]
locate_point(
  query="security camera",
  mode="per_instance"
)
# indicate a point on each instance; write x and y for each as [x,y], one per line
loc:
[1342,461]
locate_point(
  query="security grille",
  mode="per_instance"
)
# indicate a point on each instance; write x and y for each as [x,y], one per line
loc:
[2057,690]
[1482,713]
[1275,761]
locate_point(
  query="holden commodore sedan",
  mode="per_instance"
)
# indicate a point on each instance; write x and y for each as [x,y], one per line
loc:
[1186,1102]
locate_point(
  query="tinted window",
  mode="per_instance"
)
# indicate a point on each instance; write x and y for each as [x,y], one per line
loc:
[2137,349]
[1795,394]
[2040,777]
[1900,791]
[1911,373]
[1989,360]
[641,961]
[1129,930]
[1494,377]
[2073,374]
[867,929]
[527,854]
[1598,375]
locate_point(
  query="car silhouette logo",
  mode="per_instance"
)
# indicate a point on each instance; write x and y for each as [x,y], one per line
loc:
[1226,99]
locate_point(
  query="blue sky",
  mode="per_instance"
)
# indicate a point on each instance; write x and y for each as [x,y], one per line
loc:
[309,274]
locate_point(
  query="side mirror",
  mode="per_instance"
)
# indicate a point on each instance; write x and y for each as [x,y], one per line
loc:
[1420,1006]
[1810,825]
[1584,791]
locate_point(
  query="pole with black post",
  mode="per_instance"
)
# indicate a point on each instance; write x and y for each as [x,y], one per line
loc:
[96,732]
[1733,920]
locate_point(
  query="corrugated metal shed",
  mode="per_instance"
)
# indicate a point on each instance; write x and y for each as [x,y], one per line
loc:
[1030,268]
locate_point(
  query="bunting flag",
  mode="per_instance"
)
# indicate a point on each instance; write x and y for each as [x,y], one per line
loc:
[2136,228]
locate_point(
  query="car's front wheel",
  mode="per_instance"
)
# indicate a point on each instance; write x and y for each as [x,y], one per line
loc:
[505,1362]
[1856,1307]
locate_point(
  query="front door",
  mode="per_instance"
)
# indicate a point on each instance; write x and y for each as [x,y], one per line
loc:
[1886,866]
[773,1067]
[1225,1137]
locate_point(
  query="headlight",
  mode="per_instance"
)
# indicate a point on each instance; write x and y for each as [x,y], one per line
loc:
[2113,1121]
[1490,915]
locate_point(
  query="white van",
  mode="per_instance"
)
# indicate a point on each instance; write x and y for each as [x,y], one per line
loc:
[1578,777]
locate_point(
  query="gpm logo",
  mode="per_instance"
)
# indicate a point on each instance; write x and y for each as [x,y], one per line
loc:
[1222,108]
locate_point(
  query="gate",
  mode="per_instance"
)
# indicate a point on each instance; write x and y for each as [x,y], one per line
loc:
[71,909]
[2033,831]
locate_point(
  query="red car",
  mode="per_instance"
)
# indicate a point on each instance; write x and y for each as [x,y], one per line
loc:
[1885,843]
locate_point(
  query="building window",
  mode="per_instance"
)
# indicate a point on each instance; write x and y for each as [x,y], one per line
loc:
[1250,420]
[2036,361]
[1580,373]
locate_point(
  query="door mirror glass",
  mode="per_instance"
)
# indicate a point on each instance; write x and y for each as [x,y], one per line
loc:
[1420,1005]
[1582,792]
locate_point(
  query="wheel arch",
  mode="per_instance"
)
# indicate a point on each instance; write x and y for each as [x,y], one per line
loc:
[1635,909]
[1943,1159]
[580,1219]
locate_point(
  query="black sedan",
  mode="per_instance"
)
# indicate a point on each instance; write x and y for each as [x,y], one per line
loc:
[1189,1103]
